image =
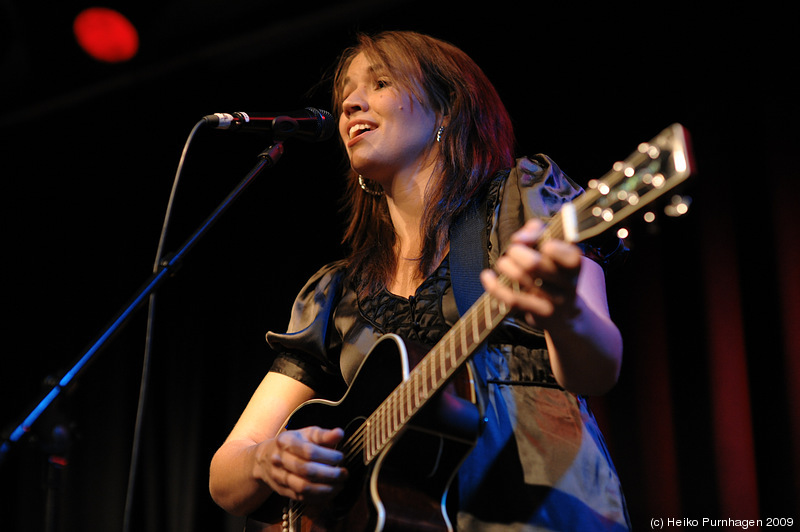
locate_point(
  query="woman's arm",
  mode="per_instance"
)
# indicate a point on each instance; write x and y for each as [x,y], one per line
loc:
[259,458]
[563,293]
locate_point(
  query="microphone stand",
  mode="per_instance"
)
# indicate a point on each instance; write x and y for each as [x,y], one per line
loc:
[266,158]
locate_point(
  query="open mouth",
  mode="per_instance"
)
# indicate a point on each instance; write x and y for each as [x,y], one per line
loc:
[358,129]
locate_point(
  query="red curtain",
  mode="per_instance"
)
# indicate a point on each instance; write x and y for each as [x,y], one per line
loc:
[705,421]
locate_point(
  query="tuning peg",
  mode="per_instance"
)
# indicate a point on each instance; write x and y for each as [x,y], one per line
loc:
[678,206]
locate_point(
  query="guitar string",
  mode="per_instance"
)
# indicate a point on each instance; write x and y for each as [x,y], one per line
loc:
[412,387]
[383,426]
[381,420]
[356,443]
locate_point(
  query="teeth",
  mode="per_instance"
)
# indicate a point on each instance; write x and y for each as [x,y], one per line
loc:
[356,129]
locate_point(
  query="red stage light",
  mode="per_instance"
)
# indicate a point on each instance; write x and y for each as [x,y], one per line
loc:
[106,35]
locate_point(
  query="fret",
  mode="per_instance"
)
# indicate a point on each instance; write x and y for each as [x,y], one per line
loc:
[370,443]
[463,330]
[395,409]
[386,425]
[430,374]
[413,395]
[415,400]
[451,349]
[376,431]
[488,314]
[425,377]
[380,426]
[474,321]
[385,429]
[436,371]
[442,365]
[430,382]
[408,393]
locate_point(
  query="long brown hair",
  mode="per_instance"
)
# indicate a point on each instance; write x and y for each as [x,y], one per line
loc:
[477,143]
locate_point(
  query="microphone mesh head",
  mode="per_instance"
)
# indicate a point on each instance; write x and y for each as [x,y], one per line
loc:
[326,125]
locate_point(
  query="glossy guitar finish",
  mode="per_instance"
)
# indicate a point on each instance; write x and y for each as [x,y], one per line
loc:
[399,485]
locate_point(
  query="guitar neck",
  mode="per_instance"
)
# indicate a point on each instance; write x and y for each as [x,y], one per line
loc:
[432,373]
[449,354]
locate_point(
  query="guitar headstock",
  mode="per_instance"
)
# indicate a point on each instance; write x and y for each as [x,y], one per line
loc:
[648,173]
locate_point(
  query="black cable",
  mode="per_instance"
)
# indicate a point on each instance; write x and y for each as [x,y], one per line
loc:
[148,346]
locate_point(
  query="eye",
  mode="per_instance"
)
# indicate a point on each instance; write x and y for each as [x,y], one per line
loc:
[382,83]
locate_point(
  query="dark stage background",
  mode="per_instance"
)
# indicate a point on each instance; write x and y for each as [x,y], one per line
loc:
[705,421]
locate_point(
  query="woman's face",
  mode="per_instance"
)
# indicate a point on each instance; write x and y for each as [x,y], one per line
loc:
[387,133]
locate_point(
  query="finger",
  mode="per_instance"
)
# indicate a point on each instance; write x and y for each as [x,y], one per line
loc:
[299,488]
[518,265]
[560,266]
[565,255]
[313,472]
[326,437]
[536,273]
[529,234]
[302,490]
[299,479]
[302,443]
[515,299]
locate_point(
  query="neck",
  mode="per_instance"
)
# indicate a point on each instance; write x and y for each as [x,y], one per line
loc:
[406,198]
[406,201]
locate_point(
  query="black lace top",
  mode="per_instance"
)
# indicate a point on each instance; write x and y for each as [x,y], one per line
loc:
[420,318]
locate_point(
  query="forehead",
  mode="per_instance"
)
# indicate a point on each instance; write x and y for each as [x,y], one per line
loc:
[366,67]
[362,67]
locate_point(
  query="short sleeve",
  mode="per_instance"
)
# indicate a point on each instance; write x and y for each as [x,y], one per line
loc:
[537,188]
[308,350]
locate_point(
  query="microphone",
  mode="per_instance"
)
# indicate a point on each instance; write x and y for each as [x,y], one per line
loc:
[307,124]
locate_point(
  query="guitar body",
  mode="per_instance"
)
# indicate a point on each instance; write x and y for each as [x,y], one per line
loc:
[404,487]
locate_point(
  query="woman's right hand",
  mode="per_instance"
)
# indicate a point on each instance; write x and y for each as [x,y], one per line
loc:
[302,464]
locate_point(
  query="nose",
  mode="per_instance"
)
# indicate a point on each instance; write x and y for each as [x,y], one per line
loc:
[355,101]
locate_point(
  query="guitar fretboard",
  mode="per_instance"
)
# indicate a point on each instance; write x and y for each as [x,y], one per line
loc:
[431,374]
[435,369]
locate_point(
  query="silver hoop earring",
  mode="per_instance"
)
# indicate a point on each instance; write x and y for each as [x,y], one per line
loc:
[371,191]
[439,134]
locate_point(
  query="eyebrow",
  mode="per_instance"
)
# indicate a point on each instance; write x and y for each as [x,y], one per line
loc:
[373,70]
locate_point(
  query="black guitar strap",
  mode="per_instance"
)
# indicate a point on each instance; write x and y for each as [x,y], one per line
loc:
[468,254]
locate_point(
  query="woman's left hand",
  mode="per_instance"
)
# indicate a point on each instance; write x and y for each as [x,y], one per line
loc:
[558,290]
[543,281]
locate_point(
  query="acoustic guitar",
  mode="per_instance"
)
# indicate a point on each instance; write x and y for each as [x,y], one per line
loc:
[411,417]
